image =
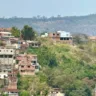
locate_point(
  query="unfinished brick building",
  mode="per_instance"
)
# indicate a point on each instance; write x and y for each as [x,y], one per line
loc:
[11,89]
[28,64]
[61,36]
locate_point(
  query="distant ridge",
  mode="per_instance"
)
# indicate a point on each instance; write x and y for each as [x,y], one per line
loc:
[73,24]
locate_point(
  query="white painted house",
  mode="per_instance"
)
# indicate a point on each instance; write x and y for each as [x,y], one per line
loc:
[6,35]
[7,56]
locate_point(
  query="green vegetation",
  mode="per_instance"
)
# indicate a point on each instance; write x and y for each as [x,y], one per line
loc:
[15,32]
[70,68]
[28,33]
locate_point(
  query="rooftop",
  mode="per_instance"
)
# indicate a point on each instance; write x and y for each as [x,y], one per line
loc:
[5,32]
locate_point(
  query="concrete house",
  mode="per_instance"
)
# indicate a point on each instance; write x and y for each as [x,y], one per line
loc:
[34,44]
[6,35]
[61,36]
[7,56]
[7,60]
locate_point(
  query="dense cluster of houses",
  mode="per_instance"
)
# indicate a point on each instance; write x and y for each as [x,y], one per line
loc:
[12,62]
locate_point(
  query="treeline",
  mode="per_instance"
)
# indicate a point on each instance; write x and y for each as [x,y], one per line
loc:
[26,33]
[73,24]
[44,18]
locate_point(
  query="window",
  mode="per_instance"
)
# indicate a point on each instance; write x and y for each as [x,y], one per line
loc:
[61,38]
[28,66]
[5,76]
[22,71]
[57,34]
[33,61]
[1,56]
[5,56]
[67,38]
[11,51]
[10,56]
[32,44]
[53,33]
[35,44]
[14,57]
[22,66]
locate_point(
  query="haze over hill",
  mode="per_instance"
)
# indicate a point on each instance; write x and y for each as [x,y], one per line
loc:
[73,24]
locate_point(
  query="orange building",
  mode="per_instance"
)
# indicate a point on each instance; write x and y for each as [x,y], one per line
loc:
[12,84]
[28,64]
[61,36]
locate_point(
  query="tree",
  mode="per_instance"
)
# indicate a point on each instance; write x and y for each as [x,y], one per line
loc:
[80,38]
[15,31]
[28,33]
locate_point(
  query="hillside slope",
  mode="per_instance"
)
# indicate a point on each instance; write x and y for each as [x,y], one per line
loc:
[70,68]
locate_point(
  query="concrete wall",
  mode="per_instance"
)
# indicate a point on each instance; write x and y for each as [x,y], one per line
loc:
[7,56]
[7,51]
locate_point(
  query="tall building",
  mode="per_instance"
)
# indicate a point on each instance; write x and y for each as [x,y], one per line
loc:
[7,61]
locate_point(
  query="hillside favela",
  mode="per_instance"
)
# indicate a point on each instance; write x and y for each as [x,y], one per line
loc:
[47,48]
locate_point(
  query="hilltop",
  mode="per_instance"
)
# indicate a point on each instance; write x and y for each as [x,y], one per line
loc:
[73,24]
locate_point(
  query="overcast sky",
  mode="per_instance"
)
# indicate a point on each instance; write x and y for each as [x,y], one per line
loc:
[30,8]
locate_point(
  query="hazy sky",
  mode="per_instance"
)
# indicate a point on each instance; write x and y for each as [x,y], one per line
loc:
[30,8]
